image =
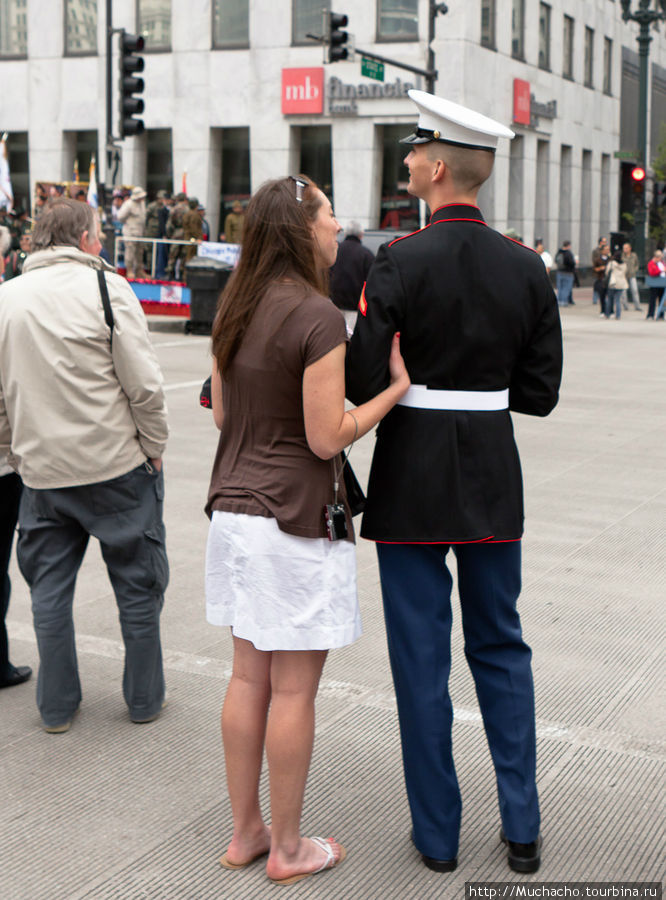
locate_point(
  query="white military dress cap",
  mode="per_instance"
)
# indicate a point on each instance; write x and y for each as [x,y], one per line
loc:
[450,123]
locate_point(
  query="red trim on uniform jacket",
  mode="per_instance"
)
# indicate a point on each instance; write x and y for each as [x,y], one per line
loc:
[411,234]
[461,219]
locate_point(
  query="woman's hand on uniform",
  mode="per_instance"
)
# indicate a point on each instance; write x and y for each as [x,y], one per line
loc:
[397,368]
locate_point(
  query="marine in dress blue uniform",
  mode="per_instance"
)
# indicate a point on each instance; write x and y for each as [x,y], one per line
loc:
[481,336]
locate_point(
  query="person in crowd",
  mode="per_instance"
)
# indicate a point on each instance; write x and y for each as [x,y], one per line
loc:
[20,225]
[155,227]
[617,284]
[16,258]
[480,332]
[83,418]
[117,201]
[656,269]
[174,231]
[10,491]
[631,260]
[279,572]
[600,258]
[233,224]
[133,216]
[205,226]
[350,272]
[192,229]
[565,275]
[546,258]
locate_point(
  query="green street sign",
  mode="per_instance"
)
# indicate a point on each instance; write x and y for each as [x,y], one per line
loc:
[625,154]
[371,68]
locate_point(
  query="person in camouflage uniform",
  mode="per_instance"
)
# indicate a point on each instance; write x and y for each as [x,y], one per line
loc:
[192,228]
[156,219]
[174,231]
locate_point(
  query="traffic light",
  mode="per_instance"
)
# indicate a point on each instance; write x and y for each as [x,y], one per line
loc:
[130,85]
[638,180]
[335,37]
[660,193]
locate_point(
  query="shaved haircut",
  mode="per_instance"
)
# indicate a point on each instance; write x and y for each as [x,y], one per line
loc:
[469,168]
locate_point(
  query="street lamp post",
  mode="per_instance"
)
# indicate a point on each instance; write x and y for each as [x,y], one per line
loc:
[645,17]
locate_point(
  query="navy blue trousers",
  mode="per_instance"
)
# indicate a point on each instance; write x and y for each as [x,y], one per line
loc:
[416,587]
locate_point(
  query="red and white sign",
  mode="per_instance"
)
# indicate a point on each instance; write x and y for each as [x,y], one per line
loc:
[302,91]
[522,102]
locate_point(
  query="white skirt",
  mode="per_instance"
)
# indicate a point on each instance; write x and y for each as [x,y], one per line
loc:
[279,591]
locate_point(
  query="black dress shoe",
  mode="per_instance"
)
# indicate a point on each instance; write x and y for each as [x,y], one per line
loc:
[16,675]
[523,857]
[440,865]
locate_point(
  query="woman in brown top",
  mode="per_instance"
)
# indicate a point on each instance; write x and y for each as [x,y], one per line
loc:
[286,590]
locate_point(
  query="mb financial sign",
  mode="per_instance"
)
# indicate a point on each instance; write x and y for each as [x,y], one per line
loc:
[303,93]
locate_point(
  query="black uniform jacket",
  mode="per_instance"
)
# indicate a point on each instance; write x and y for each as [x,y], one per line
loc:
[476,312]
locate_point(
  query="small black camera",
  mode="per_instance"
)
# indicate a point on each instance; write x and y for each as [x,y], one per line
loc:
[336,521]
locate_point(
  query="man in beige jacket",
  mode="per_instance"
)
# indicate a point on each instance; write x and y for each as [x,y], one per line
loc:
[83,418]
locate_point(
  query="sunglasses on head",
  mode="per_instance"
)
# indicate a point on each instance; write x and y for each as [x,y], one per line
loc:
[300,187]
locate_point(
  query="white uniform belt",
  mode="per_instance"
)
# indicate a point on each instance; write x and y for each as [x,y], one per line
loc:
[421,397]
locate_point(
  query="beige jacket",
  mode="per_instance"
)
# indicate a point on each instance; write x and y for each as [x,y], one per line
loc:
[618,275]
[72,411]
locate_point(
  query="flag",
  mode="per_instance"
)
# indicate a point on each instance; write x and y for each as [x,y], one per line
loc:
[76,171]
[92,186]
[184,185]
[6,193]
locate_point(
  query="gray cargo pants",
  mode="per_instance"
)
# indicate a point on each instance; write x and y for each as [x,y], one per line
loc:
[125,515]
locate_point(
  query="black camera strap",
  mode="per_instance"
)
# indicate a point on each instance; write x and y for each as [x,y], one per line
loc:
[345,457]
[106,303]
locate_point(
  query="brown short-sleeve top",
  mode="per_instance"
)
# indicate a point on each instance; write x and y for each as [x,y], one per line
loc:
[263,465]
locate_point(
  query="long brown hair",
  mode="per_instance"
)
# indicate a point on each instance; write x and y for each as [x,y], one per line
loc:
[277,243]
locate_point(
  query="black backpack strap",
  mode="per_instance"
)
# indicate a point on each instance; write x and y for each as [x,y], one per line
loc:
[106,303]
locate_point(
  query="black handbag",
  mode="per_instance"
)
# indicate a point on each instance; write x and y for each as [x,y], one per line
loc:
[205,398]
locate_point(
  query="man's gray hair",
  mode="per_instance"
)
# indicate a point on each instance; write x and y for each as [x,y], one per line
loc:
[354,229]
[62,223]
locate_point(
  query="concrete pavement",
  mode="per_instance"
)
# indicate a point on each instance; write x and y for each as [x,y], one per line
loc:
[116,810]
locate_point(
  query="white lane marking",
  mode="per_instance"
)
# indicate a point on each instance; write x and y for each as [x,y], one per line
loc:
[186,342]
[184,384]
[192,664]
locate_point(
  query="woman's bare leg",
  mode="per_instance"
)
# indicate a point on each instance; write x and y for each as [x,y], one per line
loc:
[243,732]
[295,678]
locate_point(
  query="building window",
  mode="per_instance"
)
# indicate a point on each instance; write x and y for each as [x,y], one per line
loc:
[17,157]
[231,23]
[516,185]
[397,20]
[398,210]
[13,28]
[585,238]
[568,48]
[80,147]
[518,29]
[159,161]
[608,64]
[589,56]
[80,27]
[153,18]
[544,36]
[542,193]
[234,185]
[564,213]
[306,16]
[488,15]
[315,156]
